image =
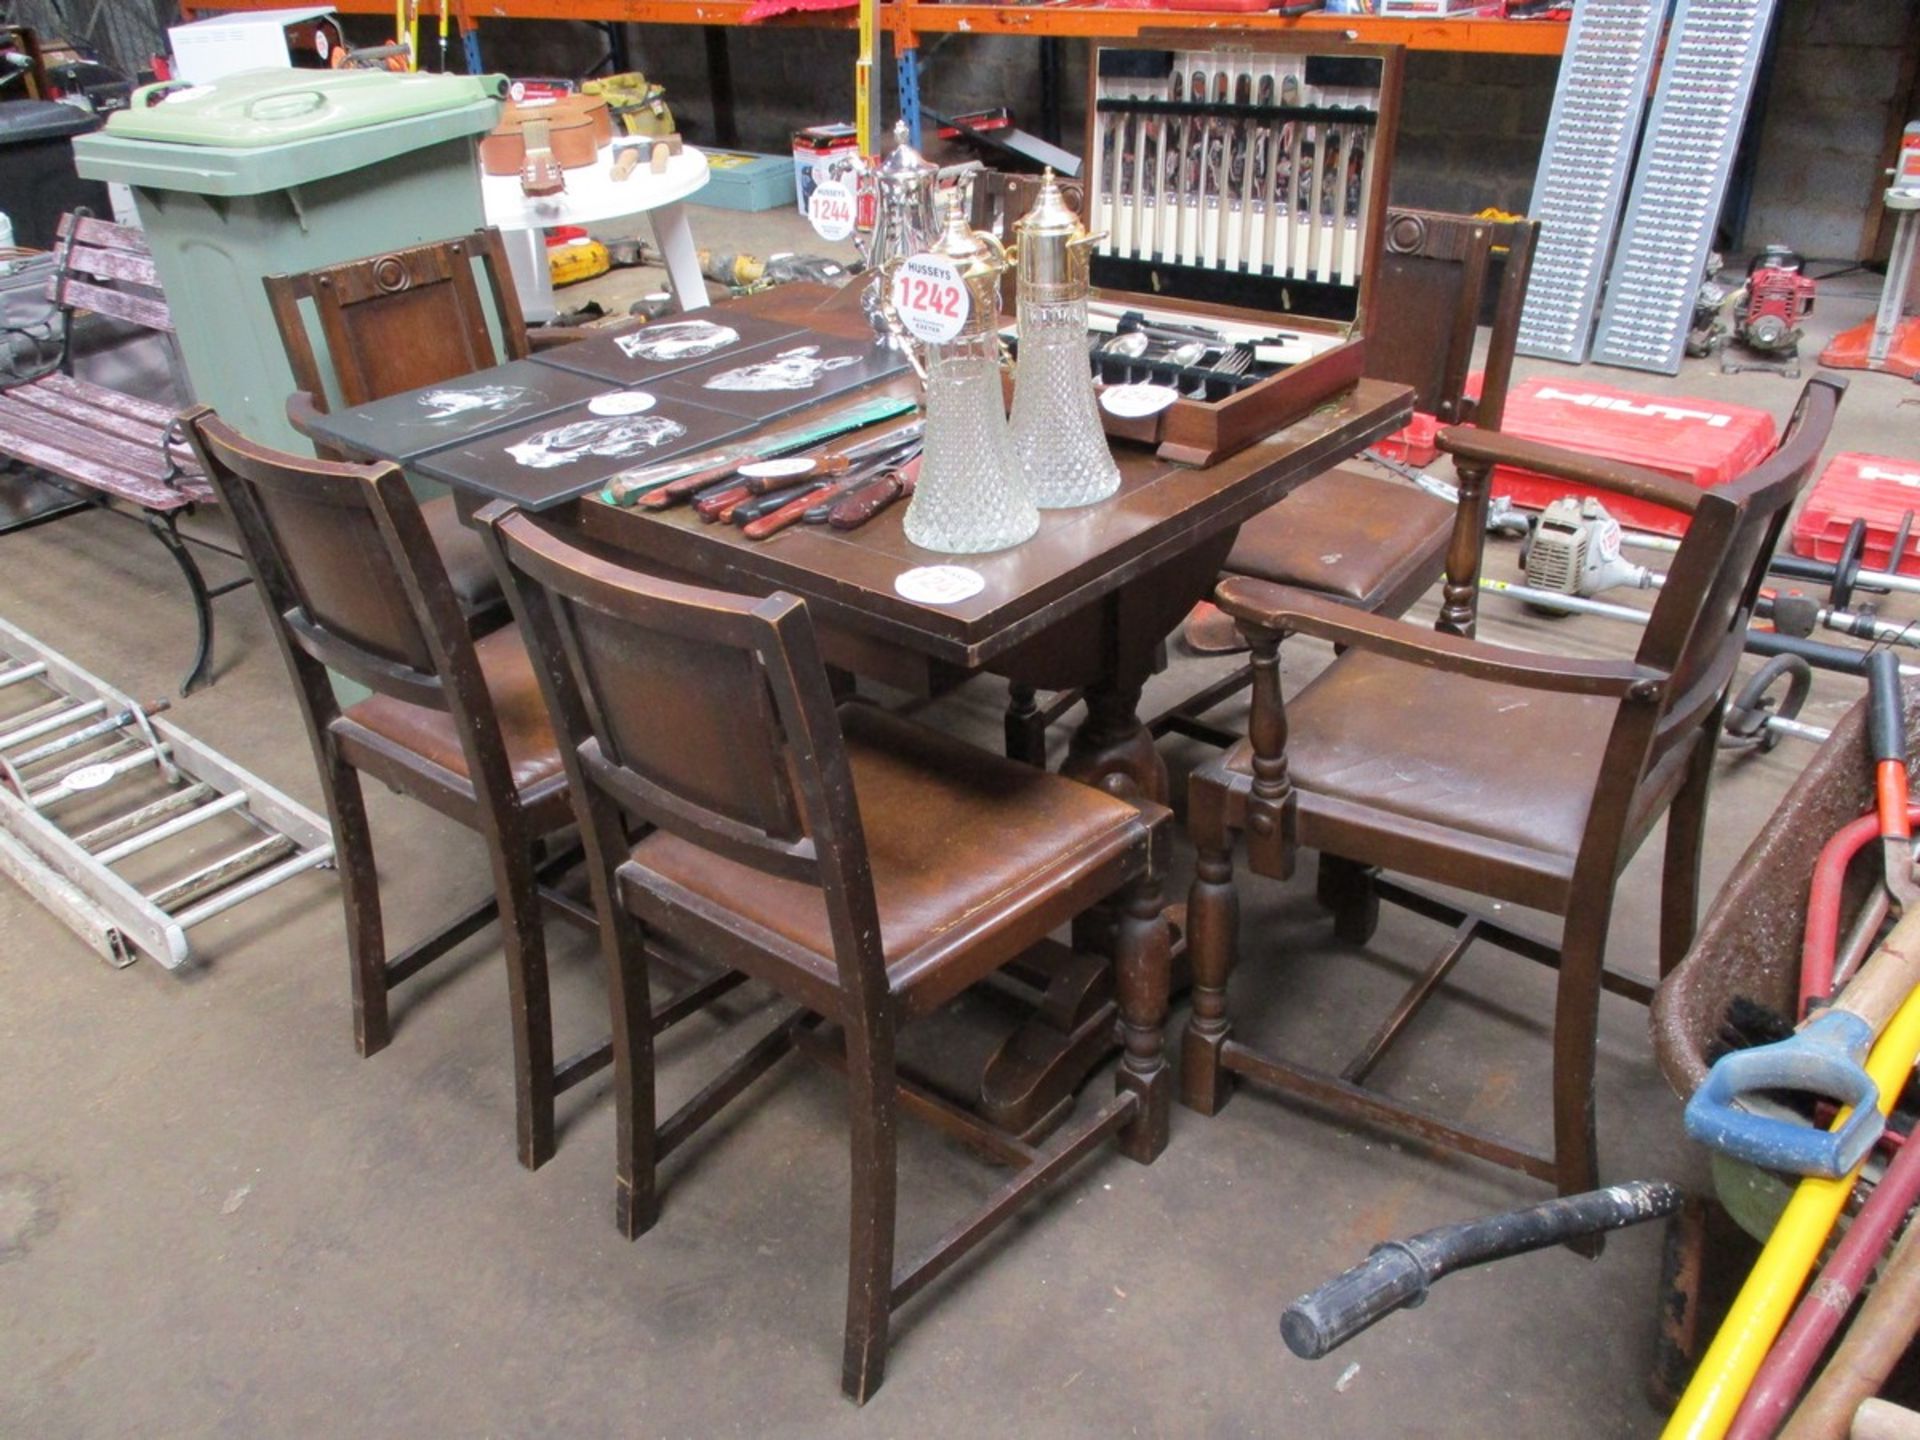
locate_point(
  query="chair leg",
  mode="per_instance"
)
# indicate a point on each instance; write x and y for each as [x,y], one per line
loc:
[871,1101]
[1026,736]
[1143,971]
[1575,1035]
[1346,888]
[360,897]
[1213,928]
[529,1001]
[1680,873]
[623,948]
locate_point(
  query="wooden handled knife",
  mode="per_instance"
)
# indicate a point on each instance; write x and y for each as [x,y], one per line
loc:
[854,510]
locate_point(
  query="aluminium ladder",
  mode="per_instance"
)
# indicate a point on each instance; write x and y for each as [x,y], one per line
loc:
[130,830]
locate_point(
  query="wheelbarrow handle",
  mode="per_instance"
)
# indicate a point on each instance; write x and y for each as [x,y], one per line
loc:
[1398,1272]
[1889,976]
[1827,1058]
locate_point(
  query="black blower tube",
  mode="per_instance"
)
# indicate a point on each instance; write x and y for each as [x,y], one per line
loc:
[1398,1273]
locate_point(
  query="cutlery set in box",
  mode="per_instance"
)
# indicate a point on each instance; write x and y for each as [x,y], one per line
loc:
[1242,190]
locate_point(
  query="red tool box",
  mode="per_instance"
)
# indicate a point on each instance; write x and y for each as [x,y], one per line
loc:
[1413,443]
[1875,488]
[1703,442]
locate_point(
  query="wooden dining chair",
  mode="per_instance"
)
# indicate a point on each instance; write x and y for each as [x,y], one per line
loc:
[1522,777]
[340,555]
[394,322]
[867,868]
[1350,534]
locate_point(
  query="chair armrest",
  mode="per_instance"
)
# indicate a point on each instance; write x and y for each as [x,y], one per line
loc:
[302,411]
[1493,448]
[1280,609]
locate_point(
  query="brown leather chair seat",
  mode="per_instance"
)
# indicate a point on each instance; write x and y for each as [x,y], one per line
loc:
[1514,768]
[1352,535]
[381,731]
[962,843]
[468,570]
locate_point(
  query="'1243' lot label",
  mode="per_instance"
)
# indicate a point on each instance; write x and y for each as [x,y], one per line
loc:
[932,300]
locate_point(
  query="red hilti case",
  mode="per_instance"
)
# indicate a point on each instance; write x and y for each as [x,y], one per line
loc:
[1875,488]
[1703,442]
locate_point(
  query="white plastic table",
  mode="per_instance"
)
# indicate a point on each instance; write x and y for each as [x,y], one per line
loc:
[592,194]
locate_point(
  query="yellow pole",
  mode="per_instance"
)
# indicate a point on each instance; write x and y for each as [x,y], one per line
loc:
[1720,1384]
[866,91]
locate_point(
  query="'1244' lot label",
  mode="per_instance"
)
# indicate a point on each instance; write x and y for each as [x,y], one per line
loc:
[830,210]
[932,300]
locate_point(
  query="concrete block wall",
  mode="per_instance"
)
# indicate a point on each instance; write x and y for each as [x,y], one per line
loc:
[1471,127]
[1838,76]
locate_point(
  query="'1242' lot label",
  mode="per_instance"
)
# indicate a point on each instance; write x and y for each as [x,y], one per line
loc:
[932,300]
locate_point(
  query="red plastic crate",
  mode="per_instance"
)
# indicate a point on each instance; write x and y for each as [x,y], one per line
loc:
[1875,488]
[1413,443]
[1703,442]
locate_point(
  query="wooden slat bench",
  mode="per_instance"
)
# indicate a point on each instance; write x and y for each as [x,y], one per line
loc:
[115,450]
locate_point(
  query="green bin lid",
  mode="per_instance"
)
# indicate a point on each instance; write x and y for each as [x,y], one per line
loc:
[266,130]
[275,107]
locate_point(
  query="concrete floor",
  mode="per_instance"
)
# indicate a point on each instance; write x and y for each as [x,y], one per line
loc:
[214,1219]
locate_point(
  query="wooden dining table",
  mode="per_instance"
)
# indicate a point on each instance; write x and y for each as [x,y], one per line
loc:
[1085,605]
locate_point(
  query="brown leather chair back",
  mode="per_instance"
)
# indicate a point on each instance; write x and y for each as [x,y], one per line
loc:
[397,321]
[705,714]
[1513,240]
[345,564]
[1427,300]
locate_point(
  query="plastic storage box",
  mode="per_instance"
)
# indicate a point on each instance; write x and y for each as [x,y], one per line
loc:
[1878,489]
[286,170]
[37,178]
[1703,442]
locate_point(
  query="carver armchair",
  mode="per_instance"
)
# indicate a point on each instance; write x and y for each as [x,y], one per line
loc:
[1525,778]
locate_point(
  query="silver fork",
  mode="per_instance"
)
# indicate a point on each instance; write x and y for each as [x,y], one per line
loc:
[1236,361]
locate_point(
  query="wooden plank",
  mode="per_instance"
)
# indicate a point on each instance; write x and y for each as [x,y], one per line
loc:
[112,265]
[116,304]
[26,440]
[65,405]
[95,231]
[60,435]
[157,415]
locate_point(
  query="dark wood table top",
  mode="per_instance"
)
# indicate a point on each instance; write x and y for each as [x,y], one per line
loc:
[1162,511]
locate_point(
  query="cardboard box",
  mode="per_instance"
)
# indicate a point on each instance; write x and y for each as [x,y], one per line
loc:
[209,50]
[815,151]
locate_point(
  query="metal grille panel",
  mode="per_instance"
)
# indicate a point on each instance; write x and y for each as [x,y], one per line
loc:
[1705,84]
[1583,169]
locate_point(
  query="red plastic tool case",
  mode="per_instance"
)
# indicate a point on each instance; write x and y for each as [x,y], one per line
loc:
[1704,442]
[1875,488]
[1413,443]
